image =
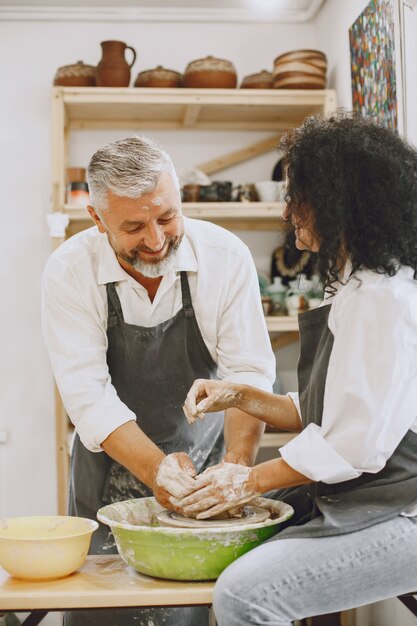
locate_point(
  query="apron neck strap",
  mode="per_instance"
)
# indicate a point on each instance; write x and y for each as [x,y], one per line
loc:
[186,296]
[114,306]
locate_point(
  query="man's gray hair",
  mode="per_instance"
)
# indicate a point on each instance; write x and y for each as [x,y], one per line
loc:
[129,168]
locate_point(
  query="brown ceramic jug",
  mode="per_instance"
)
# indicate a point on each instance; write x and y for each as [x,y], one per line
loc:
[113,69]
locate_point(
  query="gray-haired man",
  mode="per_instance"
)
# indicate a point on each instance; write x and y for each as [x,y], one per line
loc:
[133,312]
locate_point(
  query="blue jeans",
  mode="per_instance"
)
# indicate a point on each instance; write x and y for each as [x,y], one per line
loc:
[291,579]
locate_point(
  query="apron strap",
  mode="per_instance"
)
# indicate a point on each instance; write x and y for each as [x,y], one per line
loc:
[114,306]
[186,296]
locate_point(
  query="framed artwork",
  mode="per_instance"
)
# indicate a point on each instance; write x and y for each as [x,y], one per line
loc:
[376,68]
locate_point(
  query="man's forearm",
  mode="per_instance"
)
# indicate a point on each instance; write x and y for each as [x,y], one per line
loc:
[134,450]
[242,434]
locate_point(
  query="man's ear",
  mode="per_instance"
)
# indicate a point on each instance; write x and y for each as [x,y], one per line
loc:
[96,219]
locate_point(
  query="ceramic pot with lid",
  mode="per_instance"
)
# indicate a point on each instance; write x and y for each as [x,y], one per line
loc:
[113,69]
[211,73]
[158,77]
[261,80]
[76,75]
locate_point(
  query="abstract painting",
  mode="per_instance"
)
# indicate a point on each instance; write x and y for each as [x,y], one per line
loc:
[373,57]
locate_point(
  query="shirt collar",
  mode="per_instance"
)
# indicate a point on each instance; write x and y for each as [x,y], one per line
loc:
[110,270]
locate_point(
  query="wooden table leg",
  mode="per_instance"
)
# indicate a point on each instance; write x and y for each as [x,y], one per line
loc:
[410,602]
[34,618]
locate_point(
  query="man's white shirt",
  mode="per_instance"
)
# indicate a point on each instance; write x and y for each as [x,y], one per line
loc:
[225,296]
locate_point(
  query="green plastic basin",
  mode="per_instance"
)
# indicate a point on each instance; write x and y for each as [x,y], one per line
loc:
[182,553]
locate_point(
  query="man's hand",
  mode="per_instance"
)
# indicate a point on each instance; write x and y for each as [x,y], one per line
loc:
[219,489]
[173,477]
[208,396]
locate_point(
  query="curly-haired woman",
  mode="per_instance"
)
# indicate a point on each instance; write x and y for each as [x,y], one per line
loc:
[351,471]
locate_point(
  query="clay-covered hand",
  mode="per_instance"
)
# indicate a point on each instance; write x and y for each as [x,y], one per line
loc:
[208,396]
[220,488]
[173,478]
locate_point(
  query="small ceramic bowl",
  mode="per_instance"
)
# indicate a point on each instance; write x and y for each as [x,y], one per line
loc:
[300,81]
[315,56]
[44,547]
[211,73]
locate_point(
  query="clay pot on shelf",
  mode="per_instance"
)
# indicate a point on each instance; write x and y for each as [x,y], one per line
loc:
[76,75]
[262,80]
[158,77]
[217,191]
[191,193]
[245,193]
[211,73]
[113,69]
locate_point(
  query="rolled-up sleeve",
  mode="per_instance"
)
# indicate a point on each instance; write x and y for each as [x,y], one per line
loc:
[244,350]
[370,396]
[77,345]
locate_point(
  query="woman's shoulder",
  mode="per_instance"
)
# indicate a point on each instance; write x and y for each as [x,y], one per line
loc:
[370,294]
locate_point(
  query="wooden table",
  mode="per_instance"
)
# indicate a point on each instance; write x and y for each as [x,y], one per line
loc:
[102,582]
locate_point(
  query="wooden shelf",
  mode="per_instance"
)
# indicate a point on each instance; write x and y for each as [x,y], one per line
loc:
[205,109]
[210,210]
[133,109]
[238,215]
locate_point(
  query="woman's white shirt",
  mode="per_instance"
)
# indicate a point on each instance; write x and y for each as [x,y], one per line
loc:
[370,397]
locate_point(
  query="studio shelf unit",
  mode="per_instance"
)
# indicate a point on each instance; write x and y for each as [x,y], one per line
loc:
[246,110]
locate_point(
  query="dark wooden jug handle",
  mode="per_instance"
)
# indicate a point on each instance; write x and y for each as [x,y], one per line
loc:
[134,54]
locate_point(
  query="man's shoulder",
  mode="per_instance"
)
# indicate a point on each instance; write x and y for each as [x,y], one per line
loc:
[74,253]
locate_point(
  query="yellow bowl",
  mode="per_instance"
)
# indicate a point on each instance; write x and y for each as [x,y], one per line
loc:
[44,547]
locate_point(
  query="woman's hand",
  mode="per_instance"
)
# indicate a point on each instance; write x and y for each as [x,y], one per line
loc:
[209,396]
[220,488]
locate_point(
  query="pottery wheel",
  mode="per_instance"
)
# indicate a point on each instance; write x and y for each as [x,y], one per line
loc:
[251,515]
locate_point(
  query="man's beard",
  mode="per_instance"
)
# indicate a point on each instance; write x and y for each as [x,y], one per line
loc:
[157,268]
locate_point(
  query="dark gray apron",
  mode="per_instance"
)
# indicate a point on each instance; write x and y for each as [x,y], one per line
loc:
[322,509]
[152,370]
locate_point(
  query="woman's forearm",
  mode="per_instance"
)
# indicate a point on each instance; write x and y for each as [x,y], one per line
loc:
[277,411]
[276,474]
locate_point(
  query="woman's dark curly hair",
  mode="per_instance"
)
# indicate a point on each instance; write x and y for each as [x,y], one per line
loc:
[356,183]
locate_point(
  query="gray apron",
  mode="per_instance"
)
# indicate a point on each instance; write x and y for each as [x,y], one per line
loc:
[322,509]
[152,370]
